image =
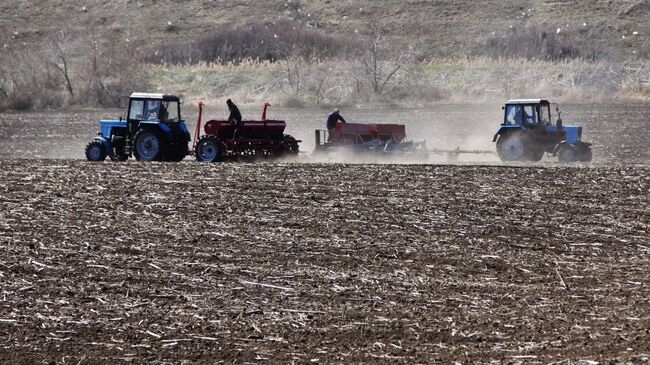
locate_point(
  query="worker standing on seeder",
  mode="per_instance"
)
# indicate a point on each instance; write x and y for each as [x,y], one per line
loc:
[235,118]
[334,118]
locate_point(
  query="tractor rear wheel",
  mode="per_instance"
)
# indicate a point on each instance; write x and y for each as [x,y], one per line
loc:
[95,151]
[512,147]
[568,153]
[149,145]
[209,149]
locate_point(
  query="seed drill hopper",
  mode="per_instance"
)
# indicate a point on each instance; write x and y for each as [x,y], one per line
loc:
[221,141]
[379,139]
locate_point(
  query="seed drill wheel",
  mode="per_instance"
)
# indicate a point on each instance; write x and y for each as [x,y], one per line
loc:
[512,147]
[95,151]
[209,149]
[148,145]
[291,145]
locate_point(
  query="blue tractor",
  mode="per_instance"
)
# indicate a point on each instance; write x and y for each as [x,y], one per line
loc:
[529,131]
[152,130]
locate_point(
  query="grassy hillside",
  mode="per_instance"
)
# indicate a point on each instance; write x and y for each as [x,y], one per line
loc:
[446,27]
[59,53]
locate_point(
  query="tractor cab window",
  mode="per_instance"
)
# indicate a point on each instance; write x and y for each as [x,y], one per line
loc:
[514,115]
[136,112]
[529,115]
[152,107]
[169,111]
[544,115]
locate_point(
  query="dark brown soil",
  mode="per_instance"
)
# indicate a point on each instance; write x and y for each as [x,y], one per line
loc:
[180,263]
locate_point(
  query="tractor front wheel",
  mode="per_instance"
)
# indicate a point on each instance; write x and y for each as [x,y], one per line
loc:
[586,155]
[512,147]
[148,145]
[209,149]
[536,155]
[568,153]
[95,151]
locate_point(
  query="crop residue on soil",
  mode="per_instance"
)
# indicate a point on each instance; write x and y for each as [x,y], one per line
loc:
[159,263]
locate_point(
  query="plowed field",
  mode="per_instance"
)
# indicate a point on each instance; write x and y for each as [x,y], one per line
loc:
[333,263]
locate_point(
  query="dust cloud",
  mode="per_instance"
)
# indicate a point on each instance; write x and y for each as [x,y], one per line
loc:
[619,133]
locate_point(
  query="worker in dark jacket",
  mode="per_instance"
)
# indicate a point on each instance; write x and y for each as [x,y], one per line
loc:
[235,118]
[333,118]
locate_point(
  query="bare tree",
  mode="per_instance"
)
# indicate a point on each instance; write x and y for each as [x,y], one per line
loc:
[320,82]
[94,71]
[112,67]
[380,64]
[61,44]
[294,72]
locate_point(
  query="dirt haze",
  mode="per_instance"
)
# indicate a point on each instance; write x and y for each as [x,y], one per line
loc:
[619,132]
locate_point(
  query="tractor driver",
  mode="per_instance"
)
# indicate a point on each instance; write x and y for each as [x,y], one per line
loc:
[528,117]
[234,118]
[164,114]
[334,118]
[153,106]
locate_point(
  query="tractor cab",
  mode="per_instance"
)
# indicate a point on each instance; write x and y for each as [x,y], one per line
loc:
[529,130]
[532,113]
[151,130]
[154,108]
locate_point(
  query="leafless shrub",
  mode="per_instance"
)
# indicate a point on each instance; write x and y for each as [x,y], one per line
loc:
[270,41]
[292,101]
[28,80]
[379,60]
[60,56]
[112,67]
[86,68]
[294,68]
[318,83]
[533,42]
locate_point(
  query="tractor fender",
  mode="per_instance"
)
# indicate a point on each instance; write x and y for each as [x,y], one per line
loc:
[505,130]
[162,128]
[105,143]
[557,147]
[581,145]
[165,128]
[185,131]
[183,127]
[498,133]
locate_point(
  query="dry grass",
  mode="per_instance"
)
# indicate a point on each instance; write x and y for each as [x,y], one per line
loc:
[441,80]
[608,34]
